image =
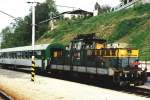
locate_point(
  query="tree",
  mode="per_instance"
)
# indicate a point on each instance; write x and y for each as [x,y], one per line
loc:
[101,9]
[22,32]
[97,6]
[7,37]
[51,8]
[105,8]
[41,13]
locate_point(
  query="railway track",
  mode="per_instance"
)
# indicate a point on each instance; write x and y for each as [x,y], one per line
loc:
[4,96]
[140,91]
[131,90]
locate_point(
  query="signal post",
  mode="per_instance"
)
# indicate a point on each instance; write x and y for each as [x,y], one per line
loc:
[33,41]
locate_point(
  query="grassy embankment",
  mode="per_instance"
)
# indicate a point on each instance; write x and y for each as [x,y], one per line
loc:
[131,26]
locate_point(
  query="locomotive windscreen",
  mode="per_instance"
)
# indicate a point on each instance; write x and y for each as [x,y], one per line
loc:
[127,62]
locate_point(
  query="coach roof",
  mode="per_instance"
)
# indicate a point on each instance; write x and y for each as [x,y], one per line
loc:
[25,48]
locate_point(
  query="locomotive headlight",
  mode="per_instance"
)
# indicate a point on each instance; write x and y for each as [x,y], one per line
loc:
[131,75]
[120,74]
[125,75]
[139,72]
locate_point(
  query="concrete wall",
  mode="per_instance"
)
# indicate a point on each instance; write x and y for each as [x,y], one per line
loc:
[130,3]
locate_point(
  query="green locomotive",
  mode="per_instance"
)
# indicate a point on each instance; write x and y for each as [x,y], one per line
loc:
[87,55]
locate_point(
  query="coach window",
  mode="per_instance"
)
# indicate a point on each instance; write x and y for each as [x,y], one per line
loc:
[38,54]
[35,54]
[22,54]
[7,55]
[26,54]
[18,54]
[15,55]
[30,54]
[2,55]
[12,55]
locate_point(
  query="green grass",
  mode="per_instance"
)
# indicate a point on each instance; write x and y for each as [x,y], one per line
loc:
[131,26]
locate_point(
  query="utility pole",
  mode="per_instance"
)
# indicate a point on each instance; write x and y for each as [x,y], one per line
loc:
[33,40]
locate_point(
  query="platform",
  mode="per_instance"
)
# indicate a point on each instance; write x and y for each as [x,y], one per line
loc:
[18,86]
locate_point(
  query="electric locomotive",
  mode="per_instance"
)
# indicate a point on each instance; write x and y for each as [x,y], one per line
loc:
[89,55]
[85,55]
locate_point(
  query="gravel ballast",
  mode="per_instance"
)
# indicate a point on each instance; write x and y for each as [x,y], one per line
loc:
[19,87]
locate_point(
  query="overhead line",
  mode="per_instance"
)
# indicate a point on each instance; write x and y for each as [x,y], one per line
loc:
[8,14]
[66,6]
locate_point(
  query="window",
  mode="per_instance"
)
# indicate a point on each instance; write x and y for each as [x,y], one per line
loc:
[113,51]
[57,54]
[107,52]
[38,54]
[103,52]
[89,53]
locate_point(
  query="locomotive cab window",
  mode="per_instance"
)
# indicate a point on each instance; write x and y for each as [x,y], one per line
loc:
[108,52]
[113,52]
[57,54]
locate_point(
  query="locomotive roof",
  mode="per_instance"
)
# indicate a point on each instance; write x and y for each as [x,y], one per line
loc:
[88,38]
[25,48]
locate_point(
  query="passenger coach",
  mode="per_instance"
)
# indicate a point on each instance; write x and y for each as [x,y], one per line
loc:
[21,56]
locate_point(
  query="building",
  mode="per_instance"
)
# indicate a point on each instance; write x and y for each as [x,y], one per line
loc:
[129,3]
[68,15]
[77,14]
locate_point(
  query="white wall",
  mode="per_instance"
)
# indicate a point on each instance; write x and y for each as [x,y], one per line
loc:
[146,1]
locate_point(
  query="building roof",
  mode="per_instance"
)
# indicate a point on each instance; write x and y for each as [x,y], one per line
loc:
[79,11]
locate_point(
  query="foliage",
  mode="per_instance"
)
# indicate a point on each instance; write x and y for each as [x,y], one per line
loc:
[101,9]
[22,32]
[129,25]
[125,27]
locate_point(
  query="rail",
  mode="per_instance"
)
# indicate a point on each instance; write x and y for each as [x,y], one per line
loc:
[5,96]
[140,91]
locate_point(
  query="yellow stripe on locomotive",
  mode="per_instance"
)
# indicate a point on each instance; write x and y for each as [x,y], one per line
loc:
[128,53]
[117,52]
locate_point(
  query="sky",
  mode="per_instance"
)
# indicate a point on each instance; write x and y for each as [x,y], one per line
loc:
[20,8]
